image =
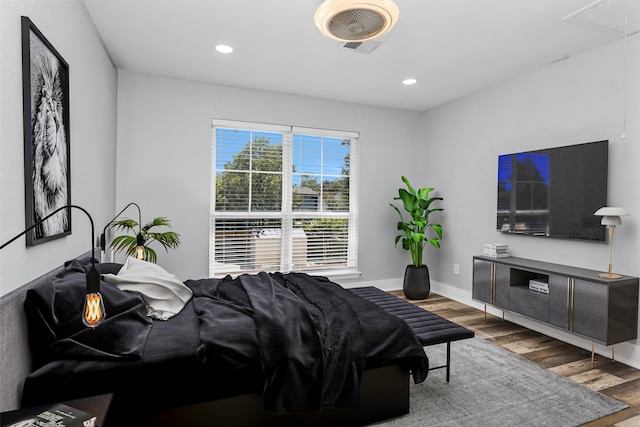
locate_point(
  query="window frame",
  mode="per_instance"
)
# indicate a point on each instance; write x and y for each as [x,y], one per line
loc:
[287,214]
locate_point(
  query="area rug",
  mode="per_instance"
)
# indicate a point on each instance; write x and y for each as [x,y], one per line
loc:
[492,387]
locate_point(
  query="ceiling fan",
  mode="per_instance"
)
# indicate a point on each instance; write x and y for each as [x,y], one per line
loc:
[356,20]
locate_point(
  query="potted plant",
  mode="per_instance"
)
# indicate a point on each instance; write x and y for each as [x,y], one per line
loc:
[417,204]
[137,245]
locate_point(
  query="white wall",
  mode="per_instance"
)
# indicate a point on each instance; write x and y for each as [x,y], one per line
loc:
[575,101]
[164,163]
[164,131]
[92,88]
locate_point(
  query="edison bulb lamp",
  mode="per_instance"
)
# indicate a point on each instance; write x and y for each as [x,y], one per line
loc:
[140,246]
[93,312]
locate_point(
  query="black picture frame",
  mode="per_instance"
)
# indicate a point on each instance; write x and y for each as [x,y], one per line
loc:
[47,154]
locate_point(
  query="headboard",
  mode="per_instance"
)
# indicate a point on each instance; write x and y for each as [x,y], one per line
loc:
[15,356]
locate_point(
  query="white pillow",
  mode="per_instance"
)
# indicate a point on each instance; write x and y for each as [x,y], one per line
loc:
[163,293]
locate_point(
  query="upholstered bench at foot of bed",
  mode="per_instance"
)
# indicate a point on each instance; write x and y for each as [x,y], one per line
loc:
[430,328]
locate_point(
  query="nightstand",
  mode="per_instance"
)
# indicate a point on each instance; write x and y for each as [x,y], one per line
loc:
[96,405]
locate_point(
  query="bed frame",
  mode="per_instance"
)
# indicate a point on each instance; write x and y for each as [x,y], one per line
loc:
[384,395]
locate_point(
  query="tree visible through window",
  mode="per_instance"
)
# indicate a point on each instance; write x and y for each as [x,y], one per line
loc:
[284,199]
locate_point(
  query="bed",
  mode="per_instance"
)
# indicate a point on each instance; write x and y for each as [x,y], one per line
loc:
[259,349]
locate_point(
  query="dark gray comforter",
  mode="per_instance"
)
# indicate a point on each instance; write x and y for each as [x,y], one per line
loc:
[310,336]
[302,341]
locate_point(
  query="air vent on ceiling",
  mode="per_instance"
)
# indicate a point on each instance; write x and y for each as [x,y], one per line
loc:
[363,47]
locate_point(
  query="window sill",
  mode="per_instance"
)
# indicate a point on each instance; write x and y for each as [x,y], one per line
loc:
[336,274]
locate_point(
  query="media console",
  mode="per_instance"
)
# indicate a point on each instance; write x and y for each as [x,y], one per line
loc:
[573,299]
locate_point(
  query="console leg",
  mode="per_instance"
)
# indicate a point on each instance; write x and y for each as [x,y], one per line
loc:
[485,313]
[613,353]
[593,346]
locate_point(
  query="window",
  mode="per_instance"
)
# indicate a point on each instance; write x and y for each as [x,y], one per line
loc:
[283,199]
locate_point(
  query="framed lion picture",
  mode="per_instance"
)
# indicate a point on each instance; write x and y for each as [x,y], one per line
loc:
[45,93]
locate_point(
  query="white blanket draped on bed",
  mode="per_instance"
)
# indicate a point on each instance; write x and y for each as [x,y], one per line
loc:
[163,293]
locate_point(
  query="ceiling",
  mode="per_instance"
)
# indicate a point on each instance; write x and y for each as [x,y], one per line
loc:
[453,47]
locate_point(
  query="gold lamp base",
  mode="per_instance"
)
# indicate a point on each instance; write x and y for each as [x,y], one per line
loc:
[609,274]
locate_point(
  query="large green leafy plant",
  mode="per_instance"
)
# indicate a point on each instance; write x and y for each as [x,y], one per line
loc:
[417,204]
[126,242]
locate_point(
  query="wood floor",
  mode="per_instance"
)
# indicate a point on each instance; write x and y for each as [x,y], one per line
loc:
[613,379]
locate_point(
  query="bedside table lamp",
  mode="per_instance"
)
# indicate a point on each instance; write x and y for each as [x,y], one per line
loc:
[139,236]
[93,312]
[611,217]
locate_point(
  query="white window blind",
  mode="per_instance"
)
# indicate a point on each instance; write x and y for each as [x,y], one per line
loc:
[283,199]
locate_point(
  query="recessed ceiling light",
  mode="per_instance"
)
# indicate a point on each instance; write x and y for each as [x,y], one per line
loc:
[409,82]
[223,48]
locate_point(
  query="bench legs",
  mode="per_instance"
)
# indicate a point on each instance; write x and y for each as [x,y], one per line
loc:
[448,365]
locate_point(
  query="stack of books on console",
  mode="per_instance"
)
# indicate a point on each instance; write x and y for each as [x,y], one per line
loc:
[496,250]
[539,286]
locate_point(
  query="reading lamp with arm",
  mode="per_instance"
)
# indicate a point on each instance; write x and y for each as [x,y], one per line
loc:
[139,236]
[93,312]
[611,217]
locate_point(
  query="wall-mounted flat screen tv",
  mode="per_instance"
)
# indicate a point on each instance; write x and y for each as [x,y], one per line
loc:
[554,192]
